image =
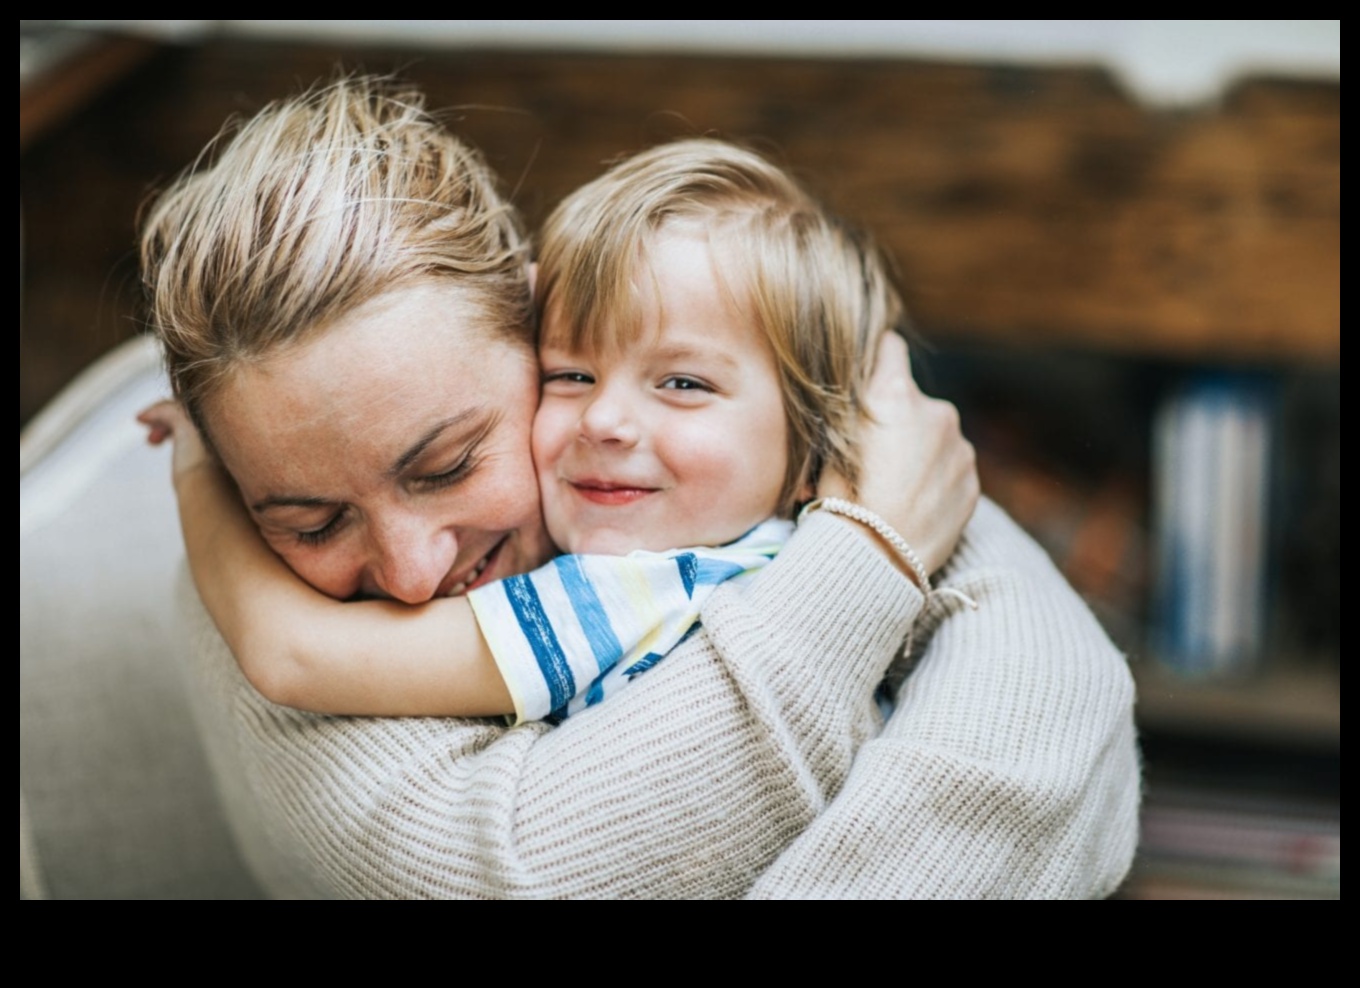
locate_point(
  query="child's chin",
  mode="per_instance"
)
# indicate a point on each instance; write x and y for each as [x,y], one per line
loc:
[614,543]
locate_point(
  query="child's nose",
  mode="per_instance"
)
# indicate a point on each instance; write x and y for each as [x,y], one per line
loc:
[610,418]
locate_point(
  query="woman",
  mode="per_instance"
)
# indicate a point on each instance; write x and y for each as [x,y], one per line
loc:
[281,281]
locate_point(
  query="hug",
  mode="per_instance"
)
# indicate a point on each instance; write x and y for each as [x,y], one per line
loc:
[395,402]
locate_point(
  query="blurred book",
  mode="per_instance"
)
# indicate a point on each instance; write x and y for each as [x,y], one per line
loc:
[1204,845]
[1211,461]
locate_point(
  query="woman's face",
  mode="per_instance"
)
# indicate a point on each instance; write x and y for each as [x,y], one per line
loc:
[389,456]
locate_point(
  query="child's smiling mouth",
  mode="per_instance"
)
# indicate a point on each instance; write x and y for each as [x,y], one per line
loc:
[610,493]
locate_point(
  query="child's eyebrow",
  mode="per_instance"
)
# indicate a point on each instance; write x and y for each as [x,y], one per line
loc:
[684,351]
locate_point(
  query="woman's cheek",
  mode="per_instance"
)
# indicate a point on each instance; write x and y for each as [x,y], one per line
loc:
[329,569]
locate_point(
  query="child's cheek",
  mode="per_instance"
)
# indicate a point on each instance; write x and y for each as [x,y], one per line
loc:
[540,441]
[552,432]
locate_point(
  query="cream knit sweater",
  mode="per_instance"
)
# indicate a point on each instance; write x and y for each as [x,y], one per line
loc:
[750,762]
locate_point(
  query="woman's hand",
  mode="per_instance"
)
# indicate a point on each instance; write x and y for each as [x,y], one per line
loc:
[920,474]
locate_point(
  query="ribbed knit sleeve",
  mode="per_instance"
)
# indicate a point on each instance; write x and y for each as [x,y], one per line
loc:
[688,784]
[1009,768]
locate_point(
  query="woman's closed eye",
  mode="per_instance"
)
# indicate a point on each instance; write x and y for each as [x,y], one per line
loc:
[323,534]
[447,478]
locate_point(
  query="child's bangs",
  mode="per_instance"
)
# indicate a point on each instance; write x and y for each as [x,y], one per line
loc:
[600,304]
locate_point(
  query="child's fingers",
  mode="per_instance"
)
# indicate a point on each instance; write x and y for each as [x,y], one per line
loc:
[166,415]
[163,412]
[157,409]
[159,420]
[168,420]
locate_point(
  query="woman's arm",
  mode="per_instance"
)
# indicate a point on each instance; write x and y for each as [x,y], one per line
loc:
[299,647]
[1009,768]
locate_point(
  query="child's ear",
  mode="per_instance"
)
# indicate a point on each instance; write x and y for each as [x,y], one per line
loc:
[807,490]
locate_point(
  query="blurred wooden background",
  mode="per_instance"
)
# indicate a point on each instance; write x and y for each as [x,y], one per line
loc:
[1026,206]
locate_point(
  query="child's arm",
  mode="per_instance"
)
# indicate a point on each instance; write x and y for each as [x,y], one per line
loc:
[572,632]
[301,648]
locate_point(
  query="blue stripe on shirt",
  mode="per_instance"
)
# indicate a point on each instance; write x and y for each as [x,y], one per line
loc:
[689,569]
[589,609]
[538,631]
[715,571]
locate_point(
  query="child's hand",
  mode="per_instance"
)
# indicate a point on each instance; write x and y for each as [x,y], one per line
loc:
[920,474]
[168,420]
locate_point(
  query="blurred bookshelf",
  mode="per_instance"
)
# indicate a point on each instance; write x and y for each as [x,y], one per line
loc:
[1239,700]
[1288,702]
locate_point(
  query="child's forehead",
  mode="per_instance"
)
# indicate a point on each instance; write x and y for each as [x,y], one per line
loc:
[630,310]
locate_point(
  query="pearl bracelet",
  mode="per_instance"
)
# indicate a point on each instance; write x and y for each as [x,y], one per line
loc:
[856,512]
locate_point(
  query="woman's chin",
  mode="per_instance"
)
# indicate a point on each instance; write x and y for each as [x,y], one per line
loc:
[521,551]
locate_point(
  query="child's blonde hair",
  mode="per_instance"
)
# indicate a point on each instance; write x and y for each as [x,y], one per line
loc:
[308,210]
[818,289]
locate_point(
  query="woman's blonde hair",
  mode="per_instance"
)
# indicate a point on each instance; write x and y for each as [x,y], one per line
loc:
[818,289]
[311,208]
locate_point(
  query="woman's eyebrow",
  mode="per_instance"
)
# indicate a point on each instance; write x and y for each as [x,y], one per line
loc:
[404,461]
[285,501]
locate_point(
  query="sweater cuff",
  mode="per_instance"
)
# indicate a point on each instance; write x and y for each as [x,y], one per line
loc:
[834,606]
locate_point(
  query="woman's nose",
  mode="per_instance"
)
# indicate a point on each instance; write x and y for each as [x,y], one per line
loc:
[610,418]
[412,558]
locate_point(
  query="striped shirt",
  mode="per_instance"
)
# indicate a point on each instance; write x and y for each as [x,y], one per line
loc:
[576,630]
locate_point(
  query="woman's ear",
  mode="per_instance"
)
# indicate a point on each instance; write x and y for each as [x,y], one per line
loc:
[533,276]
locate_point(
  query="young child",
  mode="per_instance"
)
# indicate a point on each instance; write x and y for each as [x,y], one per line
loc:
[706,332]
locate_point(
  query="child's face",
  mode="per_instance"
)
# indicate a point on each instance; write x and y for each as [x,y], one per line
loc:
[676,439]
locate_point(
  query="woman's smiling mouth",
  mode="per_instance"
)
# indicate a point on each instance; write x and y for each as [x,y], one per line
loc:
[479,574]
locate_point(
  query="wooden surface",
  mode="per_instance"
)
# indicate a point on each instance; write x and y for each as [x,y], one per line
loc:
[1293,703]
[60,91]
[1031,206]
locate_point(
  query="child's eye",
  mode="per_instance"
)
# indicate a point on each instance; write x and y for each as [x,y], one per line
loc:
[679,382]
[566,380]
[322,535]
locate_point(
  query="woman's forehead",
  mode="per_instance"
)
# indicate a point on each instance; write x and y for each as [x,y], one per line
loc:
[364,388]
